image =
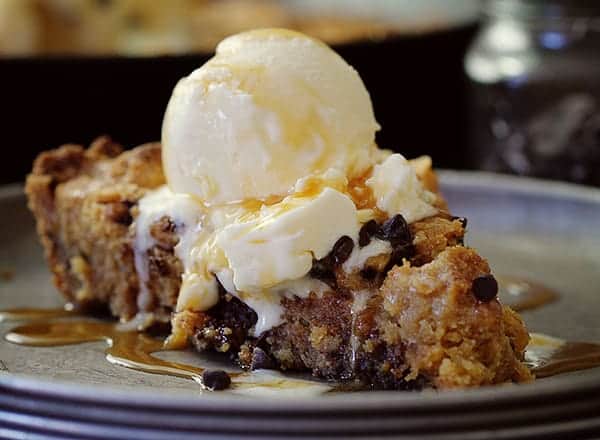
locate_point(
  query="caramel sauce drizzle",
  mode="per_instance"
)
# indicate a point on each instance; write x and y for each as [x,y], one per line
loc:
[546,356]
[356,188]
[521,294]
[255,204]
[131,349]
[549,356]
[362,195]
[29,314]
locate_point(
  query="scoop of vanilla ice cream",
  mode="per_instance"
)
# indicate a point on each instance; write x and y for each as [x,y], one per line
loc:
[281,242]
[274,113]
[260,250]
[270,107]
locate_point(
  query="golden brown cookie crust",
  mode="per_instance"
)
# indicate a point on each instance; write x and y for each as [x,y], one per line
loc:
[415,325]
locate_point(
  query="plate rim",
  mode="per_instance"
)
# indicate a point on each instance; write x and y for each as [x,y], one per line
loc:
[428,400]
[431,401]
[520,184]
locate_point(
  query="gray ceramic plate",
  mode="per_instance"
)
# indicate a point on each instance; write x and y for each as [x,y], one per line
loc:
[549,232]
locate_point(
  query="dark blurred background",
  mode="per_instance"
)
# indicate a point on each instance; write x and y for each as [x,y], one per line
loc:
[410,57]
[527,102]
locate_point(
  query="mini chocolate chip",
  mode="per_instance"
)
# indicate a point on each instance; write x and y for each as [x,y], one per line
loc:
[261,360]
[395,230]
[341,250]
[463,221]
[321,267]
[404,251]
[368,230]
[485,288]
[399,253]
[322,270]
[216,380]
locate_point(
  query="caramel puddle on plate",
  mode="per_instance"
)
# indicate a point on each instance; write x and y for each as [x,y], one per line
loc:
[30,314]
[134,349]
[545,355]
[548,356]
[521,294]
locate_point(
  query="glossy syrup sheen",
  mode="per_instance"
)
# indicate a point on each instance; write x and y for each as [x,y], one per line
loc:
[521,294]
[548,356]
[357,189]
[132,349]
[26,314]
[545,355]
[363,197]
